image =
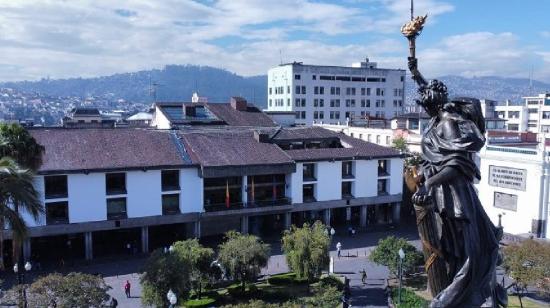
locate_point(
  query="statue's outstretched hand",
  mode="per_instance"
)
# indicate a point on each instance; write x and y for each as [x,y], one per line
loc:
[422,196]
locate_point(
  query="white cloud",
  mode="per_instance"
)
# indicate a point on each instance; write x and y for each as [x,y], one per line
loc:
[91,38]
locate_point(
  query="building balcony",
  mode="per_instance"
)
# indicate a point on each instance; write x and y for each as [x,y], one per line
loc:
[217,207]
[270,202]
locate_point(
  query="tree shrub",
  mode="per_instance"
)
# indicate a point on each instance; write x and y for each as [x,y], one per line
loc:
[386,253]
[331,281]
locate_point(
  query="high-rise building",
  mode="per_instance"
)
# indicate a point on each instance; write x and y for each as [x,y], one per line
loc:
[532,115]
[335,94]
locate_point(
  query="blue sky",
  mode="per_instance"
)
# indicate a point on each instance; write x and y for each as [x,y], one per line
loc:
[62,39]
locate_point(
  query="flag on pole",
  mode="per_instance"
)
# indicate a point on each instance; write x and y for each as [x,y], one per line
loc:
[227,197]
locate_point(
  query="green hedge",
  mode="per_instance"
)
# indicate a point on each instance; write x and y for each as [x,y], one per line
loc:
[409,299]
[331,281]
[200,303]
[285,279]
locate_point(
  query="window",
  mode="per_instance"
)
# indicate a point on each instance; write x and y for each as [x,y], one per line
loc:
[382,183]
[309,172]
[57,213]
[546,114]
[288,102]
[303,89]
[368,91]
[297,77]
[297,102]
[513,114]
[363,91]
[270,92]
[303,102]
[288,89]
[315,102]
[383,167]
[170,180]
[314,77]
[315,115]
[315,90]
[170,204]
[321,102]
[298,89]
[377,139]
[321,115]
[346,190]
[116,183]
[116,208]
[55,186]
[533,110]
[321,90]
[270,103]
[514,127]
[347,169]
[388,140]
[308,193]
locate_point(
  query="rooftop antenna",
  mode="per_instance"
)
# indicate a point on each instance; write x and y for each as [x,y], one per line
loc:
[281,56]
[412,9]
[531,80]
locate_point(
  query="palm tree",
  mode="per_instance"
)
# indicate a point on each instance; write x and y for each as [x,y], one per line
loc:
[17,194]
[16,142]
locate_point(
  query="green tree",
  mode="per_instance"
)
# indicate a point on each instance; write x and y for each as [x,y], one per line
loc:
[17,195]
[400,144]
[17,144]
[386,253]
[528,263]
[243,256]
[164,271]
[72,290]
[199,258]
[307,249]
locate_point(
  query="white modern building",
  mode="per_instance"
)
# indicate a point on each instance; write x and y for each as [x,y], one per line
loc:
[532,115]
[335,94]
[514,188]
[131,190]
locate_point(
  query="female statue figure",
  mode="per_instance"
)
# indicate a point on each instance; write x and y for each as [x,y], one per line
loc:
[467,240]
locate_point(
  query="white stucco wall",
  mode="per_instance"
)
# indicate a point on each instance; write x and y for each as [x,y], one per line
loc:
[159,120]
[87,201]
[396,176]
[191,197]
[366,176]
[144,193]
[329,181]
[529,201]
[296,182]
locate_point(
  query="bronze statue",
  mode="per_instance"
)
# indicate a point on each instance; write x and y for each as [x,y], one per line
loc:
[461,244]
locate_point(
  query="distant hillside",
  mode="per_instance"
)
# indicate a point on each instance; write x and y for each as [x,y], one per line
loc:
[494,88]
[175,83]
[178,82]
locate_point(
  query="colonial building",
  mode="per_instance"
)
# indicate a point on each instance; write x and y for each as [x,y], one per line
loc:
[112,191]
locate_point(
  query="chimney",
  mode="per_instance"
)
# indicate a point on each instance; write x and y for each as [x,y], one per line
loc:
[261,137]
[238,103]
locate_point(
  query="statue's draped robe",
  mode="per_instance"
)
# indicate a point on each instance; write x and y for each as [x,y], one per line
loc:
[468,237]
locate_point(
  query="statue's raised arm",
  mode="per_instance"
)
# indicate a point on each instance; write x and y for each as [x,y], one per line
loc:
[411,30]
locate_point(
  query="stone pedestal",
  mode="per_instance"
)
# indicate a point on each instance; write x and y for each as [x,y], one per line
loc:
[88,246]
[197,227]
[27,249]
[348,214]
[364,216]
[244,225]
[288,220]
[326,217]
[396,212]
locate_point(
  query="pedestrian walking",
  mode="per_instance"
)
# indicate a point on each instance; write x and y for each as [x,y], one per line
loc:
[338,248]
[364,276]
[352,232]
[127,288]
[114,302]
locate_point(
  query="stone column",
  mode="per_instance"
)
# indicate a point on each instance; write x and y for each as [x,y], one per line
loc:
[364,217]
[244,225]
[326,217]
[396,212]
[348,214]
[27,249]
[88,246]
[379,214]
[288,220]
[145,239]
[197,227]
[244,192]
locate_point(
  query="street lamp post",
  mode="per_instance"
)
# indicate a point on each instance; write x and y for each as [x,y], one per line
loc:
[21,279]
[172,298]
[401,257]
